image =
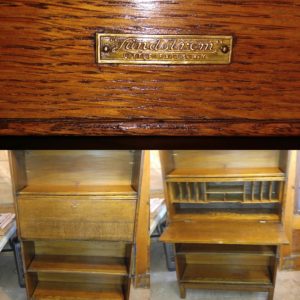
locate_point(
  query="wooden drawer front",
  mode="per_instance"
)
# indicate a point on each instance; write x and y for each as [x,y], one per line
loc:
[67,218]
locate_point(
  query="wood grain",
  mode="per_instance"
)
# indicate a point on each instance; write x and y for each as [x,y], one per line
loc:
[78,264]
[57,290]
[52,85]
[235,233]
[81,218]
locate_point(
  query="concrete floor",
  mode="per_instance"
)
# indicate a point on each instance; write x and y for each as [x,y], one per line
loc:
[164,285]
[9,288]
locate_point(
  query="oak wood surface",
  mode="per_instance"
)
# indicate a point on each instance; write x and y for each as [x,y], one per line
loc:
[51,84]
[78,264]
[183,249]
[64,218]
[226,274]
[112,191]
[141,230]
[226,172]
[75,291]
[84,248]
[235,233]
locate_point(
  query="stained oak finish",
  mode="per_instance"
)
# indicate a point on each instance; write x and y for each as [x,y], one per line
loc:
[225,217]
[81,218]
[247,233]
[76,218]
[52,85]
[226,274]
[78,264]
[57,290]
[225,172]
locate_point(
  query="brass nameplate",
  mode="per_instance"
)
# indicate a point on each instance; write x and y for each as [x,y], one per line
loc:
[163,49]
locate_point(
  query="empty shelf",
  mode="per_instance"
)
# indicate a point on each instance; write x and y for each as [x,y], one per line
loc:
[225,249]
[79,291]
[226,173]
[78,264]
[79,190]
[226,274]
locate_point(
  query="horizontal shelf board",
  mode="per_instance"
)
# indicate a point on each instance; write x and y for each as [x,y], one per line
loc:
[184,249]
[226,274]
[225,190]
[79,291]
[225,201]
[226,174]
[212,216]
[78,264]
[79,190]
[231,232]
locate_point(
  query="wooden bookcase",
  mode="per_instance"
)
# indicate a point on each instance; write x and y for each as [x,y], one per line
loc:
[79,213]
[225,217]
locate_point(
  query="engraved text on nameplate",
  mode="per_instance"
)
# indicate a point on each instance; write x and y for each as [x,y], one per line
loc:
[163,49]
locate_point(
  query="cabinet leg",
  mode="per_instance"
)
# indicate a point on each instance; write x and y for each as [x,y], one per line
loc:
[271,294]
[182,290]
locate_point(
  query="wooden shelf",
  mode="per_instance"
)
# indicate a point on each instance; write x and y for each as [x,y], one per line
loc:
[78,264]
[225,190]
[231,232]
[185,249]
[79,291]
[79,190]
[227,173]
[226,274]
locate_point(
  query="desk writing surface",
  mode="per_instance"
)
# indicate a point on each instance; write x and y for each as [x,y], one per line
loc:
[227,232]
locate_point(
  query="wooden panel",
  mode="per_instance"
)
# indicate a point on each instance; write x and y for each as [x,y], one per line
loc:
[71,291]
[141,231]
[18,169]
[97,191]
[48,61]
[78,264]
[31,280]
[288,209]
[235,250]
[229,159]
[226,274]
[28,252]
[77,168]
[242,233]
[228,259]
[85,248]
[220,174]
[79,218]
[109,280]
[296,242]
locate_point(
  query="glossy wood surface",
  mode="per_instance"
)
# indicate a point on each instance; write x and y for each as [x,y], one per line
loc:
[75,291]
[51,84]
[226,274]
[235,233]
[78,264]
[80,218]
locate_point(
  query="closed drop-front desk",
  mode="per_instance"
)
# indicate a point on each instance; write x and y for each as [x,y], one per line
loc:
[50,76]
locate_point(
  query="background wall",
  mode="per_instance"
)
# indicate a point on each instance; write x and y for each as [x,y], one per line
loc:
[156,185]
[6,195]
